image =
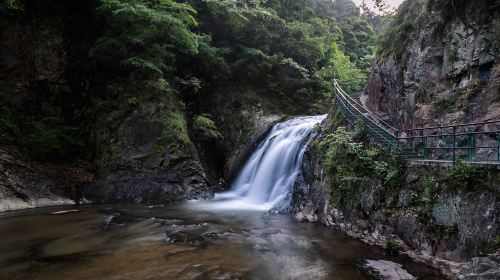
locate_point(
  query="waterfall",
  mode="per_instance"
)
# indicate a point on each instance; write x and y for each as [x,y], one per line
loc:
[267,178]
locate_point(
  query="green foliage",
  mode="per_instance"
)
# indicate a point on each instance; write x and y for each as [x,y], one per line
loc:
[349,164]
[50,137]
[205,126]
[496,242]
[15,5]
[395,37]
[392,247]
[464,176]
[287,47]
[142,38]
[153,56]
[45,134]
[340,67]
[429,193]
[139,52]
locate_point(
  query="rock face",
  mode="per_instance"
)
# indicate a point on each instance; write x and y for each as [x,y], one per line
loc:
[40,49]
[46,55]
[448,70]
[25,184]
[135,166]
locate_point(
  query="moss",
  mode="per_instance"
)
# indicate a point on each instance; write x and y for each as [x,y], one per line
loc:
[174,134]
[335,202]
[438,232]
[414,199]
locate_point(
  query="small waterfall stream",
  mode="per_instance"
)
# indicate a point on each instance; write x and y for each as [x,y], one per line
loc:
[267,177]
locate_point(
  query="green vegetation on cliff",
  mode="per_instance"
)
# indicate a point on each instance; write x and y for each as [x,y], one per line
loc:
[162,61]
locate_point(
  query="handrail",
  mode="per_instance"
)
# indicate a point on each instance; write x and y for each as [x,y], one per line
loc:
[369,119]
[379,134]
[437,145]
[450,126]
[372,115]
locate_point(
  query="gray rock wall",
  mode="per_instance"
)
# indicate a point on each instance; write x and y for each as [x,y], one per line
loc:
[448,72]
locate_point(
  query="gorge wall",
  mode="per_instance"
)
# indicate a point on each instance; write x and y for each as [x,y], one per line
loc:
[438,65]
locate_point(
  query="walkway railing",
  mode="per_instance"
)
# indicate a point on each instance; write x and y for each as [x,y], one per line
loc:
[478,142]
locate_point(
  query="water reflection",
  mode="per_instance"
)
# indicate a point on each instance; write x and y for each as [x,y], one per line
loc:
[177,242]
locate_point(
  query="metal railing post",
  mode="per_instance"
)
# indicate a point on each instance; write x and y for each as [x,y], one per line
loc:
[470,143]
[454,143]
[425,146]
[498,146]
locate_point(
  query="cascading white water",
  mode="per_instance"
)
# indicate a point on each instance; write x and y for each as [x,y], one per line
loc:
[267,178]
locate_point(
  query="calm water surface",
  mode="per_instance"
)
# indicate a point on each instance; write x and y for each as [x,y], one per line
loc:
[177,242]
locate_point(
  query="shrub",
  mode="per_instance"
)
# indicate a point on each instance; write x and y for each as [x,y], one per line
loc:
[392,247]
[349,164]
[205,126]
[429,190]
[464,176]
[14,5]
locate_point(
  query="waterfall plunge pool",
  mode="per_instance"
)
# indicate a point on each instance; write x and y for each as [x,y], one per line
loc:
[178,242]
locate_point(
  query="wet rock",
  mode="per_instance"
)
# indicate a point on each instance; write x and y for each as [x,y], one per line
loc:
[186,238]
[107,221]
[64,212]
[300,217]
[386,270]
[370,196]
[408,229]
[212,235]
[25,184]
[480,268]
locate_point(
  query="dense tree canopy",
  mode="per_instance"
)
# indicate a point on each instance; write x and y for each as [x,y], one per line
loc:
[177,52]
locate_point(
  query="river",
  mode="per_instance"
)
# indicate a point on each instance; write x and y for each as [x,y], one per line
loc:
[178,242]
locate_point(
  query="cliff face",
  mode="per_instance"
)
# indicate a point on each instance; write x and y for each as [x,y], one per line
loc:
[442,66]
[50,88]
[42,66]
